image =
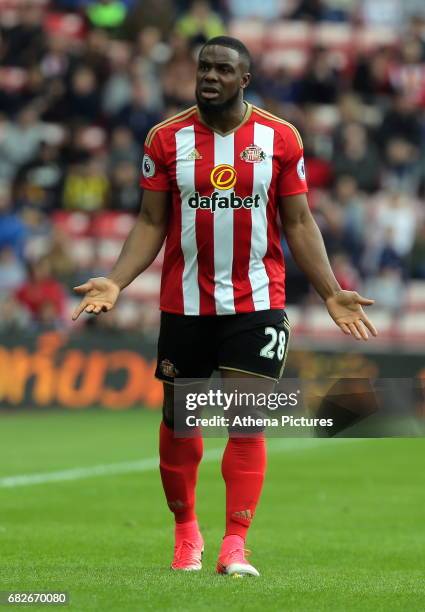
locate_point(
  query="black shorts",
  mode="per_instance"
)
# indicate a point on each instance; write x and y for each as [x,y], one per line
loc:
[194,346]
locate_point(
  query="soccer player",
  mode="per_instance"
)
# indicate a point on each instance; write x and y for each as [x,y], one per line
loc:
[215,179]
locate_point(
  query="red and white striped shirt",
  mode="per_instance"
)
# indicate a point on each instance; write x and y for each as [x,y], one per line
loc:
[223,253]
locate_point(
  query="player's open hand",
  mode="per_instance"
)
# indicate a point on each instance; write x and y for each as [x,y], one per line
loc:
[100,295]
[345,308]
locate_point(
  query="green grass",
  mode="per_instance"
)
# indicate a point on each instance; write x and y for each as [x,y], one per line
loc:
[340,526]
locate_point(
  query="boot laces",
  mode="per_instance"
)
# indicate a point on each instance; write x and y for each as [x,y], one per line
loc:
[185,553]
[237,555]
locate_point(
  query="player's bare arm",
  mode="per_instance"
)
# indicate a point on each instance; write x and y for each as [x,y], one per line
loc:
[139,251]
[306,244]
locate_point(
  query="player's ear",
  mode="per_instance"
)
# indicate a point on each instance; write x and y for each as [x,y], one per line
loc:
[246,79]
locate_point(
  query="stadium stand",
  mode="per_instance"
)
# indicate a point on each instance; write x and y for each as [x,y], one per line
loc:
[80,86]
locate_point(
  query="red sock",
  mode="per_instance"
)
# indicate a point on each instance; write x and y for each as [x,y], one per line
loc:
[243,468]
[179,460]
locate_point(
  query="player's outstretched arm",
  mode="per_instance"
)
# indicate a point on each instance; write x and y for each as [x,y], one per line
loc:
[139,251]
[306,244]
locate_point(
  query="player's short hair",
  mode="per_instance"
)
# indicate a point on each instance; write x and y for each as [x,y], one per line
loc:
[231,43]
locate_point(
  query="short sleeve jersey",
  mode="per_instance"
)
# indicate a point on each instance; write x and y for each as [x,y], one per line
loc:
[223,253]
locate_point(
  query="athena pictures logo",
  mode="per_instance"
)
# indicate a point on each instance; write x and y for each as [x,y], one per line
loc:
[148,166]
[223,177]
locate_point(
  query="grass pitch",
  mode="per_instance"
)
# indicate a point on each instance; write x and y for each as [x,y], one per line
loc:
[340,526]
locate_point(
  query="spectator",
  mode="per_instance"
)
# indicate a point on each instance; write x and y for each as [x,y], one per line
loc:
[116,93]
[178,77]
[59,255]
[84,96]
[266,9]
[200,23]
[56,59]
[86,187]
[390,233]
[41,294]
[320,83]
[402,121]
[24,41]
[42,177]
[76,111]
[345,273]
[372,76]
[159,14]
[136,115]
[12,230]
[387,288]
[396,221]
[403,169]
[34,89]
[13,317]
[125,192]
[39,230]
[107,14]
[19,142]
[150,56]
[358,158]
[382,13]
[12,271]
[353,216]
[123,147]
[408,76]
[310,10]
[417,255]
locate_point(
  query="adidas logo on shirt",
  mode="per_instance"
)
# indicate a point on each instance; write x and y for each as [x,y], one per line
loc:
[193,155]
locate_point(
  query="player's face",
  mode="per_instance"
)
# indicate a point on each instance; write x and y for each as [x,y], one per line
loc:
[220,79]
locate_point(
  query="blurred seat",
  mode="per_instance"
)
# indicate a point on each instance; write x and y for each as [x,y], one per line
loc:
[72,223]
[112,224]
[383,321]
[13,79]
[294,315]
[412,327]
[127,313]
[293,61]
[415,296]
[145,287]
[251,32]
[370,39]
[318,322]
[334,36]
[108,250]
[325,118]
[83,252]
[68,25]
[93,138]
[290,35]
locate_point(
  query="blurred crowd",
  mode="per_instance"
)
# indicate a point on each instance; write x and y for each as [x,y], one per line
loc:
[82,82]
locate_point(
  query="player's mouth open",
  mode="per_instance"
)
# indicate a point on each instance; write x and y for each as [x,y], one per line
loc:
[209,93]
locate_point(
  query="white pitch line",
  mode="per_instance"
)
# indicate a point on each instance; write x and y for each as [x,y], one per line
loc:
[150,463]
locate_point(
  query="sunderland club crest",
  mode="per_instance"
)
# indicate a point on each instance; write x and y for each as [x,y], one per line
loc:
[168,368]
[253,154]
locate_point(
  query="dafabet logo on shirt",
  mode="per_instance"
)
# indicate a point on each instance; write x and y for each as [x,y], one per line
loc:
[223,177]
